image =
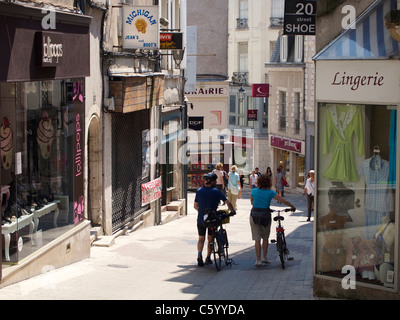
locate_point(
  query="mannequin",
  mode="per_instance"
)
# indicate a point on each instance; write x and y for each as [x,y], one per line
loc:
[384,245]
[333,255]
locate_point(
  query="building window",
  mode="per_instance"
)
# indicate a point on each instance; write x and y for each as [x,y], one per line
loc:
[232,104]
[284,48]
[298,48]
[277,13]
[297,112]
[282,110]
[238,111]
[265,114]
[271,49]
[244,10]
[243,57]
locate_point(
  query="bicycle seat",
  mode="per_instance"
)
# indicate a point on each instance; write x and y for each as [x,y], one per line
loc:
[279,218]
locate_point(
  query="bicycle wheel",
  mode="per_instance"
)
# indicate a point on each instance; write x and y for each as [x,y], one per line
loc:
[225,247]
[281,247]
[216,251]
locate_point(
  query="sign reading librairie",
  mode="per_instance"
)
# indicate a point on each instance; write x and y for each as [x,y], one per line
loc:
[140,27]
[299,18]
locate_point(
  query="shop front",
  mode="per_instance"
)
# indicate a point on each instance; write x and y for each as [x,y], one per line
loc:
[289,155]
[135,115]
[42,137]
[357,200]
[208,138]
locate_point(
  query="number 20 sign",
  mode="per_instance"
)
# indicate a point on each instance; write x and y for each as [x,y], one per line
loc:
[299,18]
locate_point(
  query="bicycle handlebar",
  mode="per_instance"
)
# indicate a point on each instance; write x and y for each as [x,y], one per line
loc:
[225,215]
[285,210]
[216,217]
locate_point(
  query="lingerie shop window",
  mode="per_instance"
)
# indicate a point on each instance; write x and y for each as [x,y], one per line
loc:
[356,191]
[38,163]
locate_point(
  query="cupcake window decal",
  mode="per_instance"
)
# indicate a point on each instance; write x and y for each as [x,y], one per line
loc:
[6,143]
[45,134]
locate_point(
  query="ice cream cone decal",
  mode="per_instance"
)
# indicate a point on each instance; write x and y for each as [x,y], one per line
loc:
[45,133]
[6,143]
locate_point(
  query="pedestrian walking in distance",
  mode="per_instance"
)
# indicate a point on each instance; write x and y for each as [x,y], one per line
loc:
[233,186]
[309,190]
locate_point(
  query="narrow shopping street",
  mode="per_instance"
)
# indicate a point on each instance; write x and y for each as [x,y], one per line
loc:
[159,263]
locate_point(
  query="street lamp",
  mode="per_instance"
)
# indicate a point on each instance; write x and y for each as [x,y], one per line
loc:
[241,94]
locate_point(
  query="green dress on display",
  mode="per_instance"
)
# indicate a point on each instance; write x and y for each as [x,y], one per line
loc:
[341,123]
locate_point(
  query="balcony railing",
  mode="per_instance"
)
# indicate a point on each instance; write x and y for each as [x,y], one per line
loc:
[241,23]
[240,78]
[276,22]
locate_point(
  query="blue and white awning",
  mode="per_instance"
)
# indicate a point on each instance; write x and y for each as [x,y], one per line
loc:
[369,40]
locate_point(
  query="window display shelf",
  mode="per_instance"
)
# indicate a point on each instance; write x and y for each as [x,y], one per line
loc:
[18,224]
[30,219]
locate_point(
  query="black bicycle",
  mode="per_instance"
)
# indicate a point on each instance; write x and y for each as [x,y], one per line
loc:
[214,220]
[280,240]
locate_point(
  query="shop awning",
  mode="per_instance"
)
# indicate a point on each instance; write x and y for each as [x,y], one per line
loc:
[368,40]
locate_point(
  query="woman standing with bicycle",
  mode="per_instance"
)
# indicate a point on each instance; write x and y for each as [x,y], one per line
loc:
[260,216]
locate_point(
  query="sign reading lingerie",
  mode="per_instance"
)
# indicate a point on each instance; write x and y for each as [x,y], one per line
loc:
[140,27]
[151,191]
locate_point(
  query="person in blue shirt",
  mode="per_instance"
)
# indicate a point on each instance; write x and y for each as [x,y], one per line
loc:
[207,197]
[260,216]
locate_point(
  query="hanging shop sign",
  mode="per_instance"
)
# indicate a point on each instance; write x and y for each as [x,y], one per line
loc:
[196,123]
[358,81]
[140,27]
[151,191]
[299,17]
[286,144]
[260,90]
[252,115]
[171,40]
[38,54]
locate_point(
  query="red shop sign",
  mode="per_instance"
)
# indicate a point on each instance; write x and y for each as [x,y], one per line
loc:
[252,115]
[242,142]
[286,143]
[260,90]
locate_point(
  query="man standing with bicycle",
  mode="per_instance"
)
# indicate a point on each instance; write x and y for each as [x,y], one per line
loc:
[207,197]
